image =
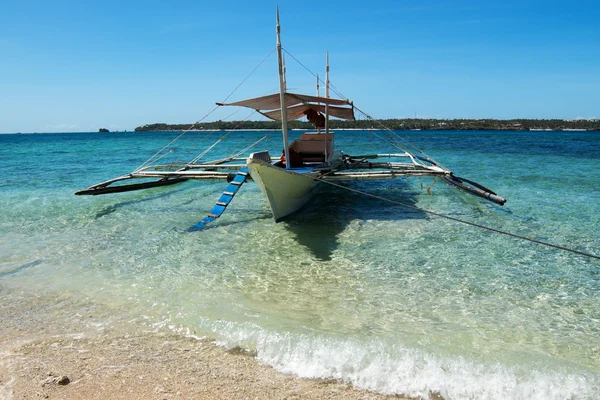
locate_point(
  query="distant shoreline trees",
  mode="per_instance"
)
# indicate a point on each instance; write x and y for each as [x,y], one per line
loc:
[394,124]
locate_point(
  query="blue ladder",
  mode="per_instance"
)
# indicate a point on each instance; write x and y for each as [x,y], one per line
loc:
[224,200]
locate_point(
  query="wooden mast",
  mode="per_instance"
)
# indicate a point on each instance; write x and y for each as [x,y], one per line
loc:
[284,128]
[327,106]
[327,91]
[318,95]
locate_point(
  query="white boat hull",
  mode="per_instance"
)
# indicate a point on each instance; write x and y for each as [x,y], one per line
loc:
[285,190]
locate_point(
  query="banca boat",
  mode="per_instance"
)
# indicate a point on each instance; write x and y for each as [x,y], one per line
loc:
[288,181]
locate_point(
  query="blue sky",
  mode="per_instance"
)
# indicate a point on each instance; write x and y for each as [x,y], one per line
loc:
[82,65]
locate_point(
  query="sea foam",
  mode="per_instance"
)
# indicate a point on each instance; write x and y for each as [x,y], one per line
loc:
[392,368]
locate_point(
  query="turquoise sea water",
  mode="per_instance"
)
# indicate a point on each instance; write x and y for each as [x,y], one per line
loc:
[389,299]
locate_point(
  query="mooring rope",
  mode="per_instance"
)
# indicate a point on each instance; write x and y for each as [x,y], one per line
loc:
[514,235]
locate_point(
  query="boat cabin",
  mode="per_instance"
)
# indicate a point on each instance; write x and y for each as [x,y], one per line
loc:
[313,148]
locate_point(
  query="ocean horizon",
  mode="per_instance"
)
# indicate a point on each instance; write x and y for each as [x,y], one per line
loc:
[387,298]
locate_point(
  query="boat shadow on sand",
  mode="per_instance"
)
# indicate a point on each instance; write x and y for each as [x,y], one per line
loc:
[317,225]
[138,198]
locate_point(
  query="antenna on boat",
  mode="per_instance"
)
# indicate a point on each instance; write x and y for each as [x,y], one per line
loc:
[284,128]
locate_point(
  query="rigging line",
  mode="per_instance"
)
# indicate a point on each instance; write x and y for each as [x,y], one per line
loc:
[188,151]
[340,95]
[151,159]
[195,147]
[166,153]
[398,137]
[209,148]
[581,253]
[391,140]
[220,139]
[234,155]
[155,159]
[226,118]
[331,86]
[232,114]
[394,141]
[249,75]
[200,120]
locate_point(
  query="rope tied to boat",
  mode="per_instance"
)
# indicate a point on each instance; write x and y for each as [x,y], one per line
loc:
[514,235]
[432,185]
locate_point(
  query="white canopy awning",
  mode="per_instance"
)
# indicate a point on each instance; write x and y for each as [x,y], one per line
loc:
[297,112]
[297,104]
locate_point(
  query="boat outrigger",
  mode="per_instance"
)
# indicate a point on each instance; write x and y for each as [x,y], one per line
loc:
[288,181]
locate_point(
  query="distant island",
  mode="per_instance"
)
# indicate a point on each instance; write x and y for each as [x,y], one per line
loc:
[395,124]
[103,130]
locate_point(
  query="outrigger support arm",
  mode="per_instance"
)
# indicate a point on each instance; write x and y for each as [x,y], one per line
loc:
[476,189]
[105,188]
[93,191]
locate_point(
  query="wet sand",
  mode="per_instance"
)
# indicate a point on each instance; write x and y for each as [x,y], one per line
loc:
[44,355]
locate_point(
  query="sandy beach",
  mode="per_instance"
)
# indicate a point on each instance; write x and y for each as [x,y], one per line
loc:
[43,356]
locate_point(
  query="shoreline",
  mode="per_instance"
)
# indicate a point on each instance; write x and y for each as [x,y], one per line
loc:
[126,361]
[151,367]
[536,130]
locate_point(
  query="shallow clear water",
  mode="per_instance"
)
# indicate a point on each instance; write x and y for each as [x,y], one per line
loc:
[387,298]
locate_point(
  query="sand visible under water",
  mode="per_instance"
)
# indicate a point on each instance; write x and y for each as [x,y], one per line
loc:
[44,355]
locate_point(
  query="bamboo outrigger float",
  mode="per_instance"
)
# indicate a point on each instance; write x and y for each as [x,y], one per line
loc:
[288,180]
